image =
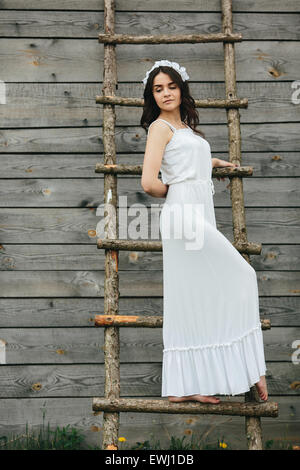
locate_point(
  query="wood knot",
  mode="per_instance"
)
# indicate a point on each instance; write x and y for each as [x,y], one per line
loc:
[37,387]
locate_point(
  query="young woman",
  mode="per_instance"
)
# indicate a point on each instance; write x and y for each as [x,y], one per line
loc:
[212,335]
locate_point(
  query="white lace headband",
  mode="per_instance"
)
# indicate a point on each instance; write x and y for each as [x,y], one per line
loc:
[174,65]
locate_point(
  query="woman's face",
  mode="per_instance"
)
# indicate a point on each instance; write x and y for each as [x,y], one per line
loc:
[165,89]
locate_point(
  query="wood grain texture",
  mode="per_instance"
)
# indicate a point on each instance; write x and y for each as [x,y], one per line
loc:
[77,60]
[138,345]
[57,165]
[73,193]
[132,283]
[78,225]
[277,137]
[35,257]
[79,312]
[138,379]
[87,24]
[154,5]
[73,104]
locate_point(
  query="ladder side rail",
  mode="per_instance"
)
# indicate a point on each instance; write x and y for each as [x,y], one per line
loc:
[111,281]
[253,427]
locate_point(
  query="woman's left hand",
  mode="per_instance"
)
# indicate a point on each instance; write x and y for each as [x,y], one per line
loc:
[222,163]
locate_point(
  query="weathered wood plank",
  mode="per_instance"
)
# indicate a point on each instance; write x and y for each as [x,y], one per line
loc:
[80,312]
[278,137]
[85,24]
[137,427]
[264,164]
[154,5]
[73,104]
[87,380]
[81,192]
[74,60]
[86,345]
[71,257]
[270,225]
[132,283]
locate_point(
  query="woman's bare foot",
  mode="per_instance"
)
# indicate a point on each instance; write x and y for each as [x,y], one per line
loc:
[261,386]
[201,398]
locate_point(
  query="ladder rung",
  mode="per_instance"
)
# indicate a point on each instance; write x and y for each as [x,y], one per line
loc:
[269,409]
[241,171]
[141,245]
[169,39]
[204,103]
[146,321]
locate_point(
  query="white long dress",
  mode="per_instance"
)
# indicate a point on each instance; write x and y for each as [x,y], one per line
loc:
[212,336]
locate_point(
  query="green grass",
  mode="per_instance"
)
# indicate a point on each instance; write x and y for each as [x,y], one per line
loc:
[68,438]
[60,439]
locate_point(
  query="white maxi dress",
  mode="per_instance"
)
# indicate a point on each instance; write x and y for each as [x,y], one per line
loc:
[212,336]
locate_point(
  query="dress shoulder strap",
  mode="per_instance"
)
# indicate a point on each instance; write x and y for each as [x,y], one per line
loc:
[169,124]
[160,119]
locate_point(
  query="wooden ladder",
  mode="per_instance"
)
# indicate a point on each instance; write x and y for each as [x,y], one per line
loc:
[112,404]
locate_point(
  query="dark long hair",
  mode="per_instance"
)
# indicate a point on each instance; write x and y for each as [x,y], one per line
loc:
[188,111]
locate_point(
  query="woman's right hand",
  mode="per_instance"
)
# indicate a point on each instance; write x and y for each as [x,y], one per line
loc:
[223,163]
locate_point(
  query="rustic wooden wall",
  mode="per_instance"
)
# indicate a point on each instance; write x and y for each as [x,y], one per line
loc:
[52,274]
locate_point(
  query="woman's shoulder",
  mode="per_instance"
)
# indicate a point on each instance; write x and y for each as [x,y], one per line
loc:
[160,124]
[152,123]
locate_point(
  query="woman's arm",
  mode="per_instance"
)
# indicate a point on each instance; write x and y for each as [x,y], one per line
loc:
[157,189]
[157,140]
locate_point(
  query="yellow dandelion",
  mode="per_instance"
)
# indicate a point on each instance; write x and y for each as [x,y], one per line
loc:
[122,439]
[223,444]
